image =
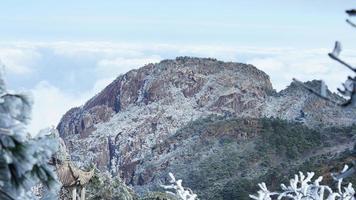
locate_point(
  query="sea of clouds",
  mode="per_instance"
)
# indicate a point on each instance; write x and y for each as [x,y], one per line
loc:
[61,75]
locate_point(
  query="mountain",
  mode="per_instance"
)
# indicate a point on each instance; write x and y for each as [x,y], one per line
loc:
[214,124]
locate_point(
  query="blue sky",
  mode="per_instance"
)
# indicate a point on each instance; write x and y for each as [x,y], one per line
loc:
[64,52]
[240,22]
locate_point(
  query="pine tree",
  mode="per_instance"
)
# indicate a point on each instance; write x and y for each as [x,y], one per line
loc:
[23,160]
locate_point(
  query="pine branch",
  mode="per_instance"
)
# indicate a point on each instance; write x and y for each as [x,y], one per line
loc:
[6,195]
[351,12]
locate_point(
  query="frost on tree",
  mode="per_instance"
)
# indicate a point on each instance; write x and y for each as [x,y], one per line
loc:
[178,190]
[304,188]
[349,86]
[23,160]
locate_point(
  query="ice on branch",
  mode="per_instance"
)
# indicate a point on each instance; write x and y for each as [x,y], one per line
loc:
[23,160]
[337,49]
[349,87]
[302,187]
[176,189]
[351,13]
[335,54]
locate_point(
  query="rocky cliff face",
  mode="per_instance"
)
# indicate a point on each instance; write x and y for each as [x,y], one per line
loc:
[132,126]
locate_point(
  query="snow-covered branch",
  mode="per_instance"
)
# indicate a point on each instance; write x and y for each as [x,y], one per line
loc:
[23,160]
[178,190]
[349,87]
[302,187]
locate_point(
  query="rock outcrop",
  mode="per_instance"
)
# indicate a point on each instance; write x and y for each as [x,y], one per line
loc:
[130,128]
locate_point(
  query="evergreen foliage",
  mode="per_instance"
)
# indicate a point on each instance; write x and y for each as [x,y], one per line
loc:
[104,186]
[23,160]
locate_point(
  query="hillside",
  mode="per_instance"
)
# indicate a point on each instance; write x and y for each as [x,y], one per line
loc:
[219,126]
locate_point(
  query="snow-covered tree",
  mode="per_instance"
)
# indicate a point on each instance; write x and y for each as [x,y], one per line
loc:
[304,188]
[177,190]
[23,160]
[104,186]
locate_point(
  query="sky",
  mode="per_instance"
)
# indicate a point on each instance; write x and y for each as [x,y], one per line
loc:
[64,52]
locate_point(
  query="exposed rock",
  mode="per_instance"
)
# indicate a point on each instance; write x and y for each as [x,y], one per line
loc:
[131,126]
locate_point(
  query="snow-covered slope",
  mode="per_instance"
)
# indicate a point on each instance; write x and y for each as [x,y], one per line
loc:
[120,128]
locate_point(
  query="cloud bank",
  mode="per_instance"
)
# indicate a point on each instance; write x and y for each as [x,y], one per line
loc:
[62,75]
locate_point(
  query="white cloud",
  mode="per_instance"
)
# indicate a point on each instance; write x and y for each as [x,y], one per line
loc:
[304,65]
[100,85]
[267,64]
[103,61]
[120,65]
[17,60]
[101,49]
[51,103]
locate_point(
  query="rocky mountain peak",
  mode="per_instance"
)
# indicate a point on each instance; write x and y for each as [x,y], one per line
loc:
[134,122]
[197,79]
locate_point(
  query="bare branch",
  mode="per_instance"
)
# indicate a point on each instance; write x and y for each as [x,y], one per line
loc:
[351,23]
[342,62]
[315,92]
[335,55]
[351,12]
[344,174]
